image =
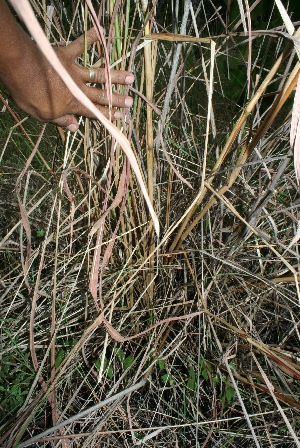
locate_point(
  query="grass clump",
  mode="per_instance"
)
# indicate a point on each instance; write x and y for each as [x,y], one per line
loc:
[111,336]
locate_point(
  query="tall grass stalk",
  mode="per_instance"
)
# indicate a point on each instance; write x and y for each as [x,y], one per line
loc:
[111,335]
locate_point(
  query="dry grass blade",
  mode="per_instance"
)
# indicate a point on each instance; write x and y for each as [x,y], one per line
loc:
[109,336]
[295,130]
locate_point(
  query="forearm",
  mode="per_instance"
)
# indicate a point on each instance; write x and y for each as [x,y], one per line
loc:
[13,39]
[20,60]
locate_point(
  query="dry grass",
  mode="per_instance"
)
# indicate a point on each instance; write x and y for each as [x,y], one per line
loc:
[111,336]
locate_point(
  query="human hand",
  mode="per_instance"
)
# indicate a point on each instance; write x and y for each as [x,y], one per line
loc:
[39,91]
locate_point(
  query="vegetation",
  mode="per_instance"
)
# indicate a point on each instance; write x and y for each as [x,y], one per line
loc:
[110,334]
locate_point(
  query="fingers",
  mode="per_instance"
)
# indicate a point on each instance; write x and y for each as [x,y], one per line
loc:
[100,100]
[99,96]
[112,114]
[76,48]
[69,122]
[82,76]
[97,76]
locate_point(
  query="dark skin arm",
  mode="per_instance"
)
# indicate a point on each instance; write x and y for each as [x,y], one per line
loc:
[38,89]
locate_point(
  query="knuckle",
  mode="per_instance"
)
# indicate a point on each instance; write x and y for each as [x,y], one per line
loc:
[118,100]
[100,76]
[102,97]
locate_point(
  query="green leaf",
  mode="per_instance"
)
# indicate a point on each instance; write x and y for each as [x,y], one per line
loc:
[216,379]
[110,372]
[192,374]
[15,390]
[97,364]
[40,233]
[192,384]
[59,357]
[161,364]
[128,361]
[203,369]
[204,374]
[166,378]
[229,393]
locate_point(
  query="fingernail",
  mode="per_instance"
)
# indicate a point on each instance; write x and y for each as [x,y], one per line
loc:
[128,102]
[72,127]
[117,115]
[129,79]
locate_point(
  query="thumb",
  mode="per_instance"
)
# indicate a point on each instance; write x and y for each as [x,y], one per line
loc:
[68,122]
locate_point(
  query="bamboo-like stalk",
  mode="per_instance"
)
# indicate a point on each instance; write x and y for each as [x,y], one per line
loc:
[149,67]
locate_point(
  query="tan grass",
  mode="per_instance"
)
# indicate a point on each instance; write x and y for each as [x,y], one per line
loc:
[111,335]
